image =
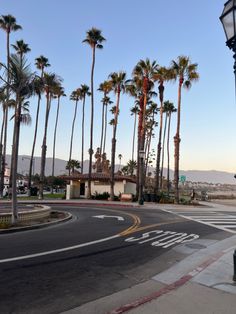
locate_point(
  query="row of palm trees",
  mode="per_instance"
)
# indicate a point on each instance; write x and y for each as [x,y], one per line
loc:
[22,84]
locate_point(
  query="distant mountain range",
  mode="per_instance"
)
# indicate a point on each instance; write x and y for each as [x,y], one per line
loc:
[211,176]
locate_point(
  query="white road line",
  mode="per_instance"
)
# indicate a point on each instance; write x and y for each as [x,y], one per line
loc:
[70,248]
[218,219]
[207,223]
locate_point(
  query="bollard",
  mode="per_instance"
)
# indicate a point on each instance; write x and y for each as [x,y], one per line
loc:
[234,277]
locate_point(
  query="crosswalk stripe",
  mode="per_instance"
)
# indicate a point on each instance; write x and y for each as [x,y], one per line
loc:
[225,222]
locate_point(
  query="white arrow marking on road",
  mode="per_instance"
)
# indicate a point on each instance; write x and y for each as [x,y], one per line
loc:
[105,216]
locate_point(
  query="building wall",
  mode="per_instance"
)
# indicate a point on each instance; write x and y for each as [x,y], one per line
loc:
[99,187]
[130,187]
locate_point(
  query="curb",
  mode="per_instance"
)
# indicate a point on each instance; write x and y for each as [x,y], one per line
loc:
[37,226]
[170,287]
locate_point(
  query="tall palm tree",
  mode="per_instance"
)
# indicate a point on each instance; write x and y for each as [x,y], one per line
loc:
[58,93]
[106,101]
[21,48]
[104,87]
[162,75]
[7,24]
[50,80]
[151,123]
[171,109]
[94,39]
[185,73]
[21,85]
[84,91]
[75,96]
[166,107]
[41,63]
[144,71]
[120,157]
[119,83]
[134,111]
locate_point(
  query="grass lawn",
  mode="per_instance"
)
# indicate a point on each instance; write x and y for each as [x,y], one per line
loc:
[46,197]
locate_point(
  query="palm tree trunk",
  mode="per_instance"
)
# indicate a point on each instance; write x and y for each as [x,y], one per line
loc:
[15,148]
[134,132]
[168,155]
[149,140]
[6,118]
[91,128]
[163,153]
[82,140]
[72,131]
[102,131]
[34,140]
[140,119]
[157,185]
[142,145]
[54,139]
[1,149]
[105,132]
[177,145]
[113,148]
[33,147]
[44,149]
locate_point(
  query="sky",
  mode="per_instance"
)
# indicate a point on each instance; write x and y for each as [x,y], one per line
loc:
[156,29]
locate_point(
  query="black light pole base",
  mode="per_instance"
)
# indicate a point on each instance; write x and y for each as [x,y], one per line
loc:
[140,201]
[234,276]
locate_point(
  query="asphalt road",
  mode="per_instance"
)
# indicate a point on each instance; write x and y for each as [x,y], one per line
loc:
[99,252]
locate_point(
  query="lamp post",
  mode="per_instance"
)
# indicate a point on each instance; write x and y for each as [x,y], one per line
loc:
[141,176]
[228,19]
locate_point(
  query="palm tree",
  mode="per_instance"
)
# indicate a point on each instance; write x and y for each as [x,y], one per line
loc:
[21,48]
[50,80]
[171,109]
[84,91]
[134,111]
[120,157]
[186,73]
[161,76]
[150,124]
[7,24]
[104,87]
[106,101]
[75,96]
[119,83]
[134,89]
[58,93]
[41,63]
[94,39]
[72,164]
[21,85]
[166,107]
[144,71]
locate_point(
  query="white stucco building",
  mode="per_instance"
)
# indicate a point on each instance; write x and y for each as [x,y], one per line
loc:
[100,183]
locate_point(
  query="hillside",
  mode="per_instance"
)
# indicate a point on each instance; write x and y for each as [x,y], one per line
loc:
[211,176]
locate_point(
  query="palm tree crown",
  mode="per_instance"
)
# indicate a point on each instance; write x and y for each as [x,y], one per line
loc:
[94,38]
[185,71]
[8,23]
[21,47]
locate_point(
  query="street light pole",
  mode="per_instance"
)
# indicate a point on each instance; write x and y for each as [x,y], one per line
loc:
[228,20]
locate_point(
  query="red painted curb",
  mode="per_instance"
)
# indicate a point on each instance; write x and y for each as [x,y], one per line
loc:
[168,288]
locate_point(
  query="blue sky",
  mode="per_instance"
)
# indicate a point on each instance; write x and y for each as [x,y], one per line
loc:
[158,29]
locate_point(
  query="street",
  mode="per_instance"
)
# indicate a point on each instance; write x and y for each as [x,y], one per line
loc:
[97,253]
